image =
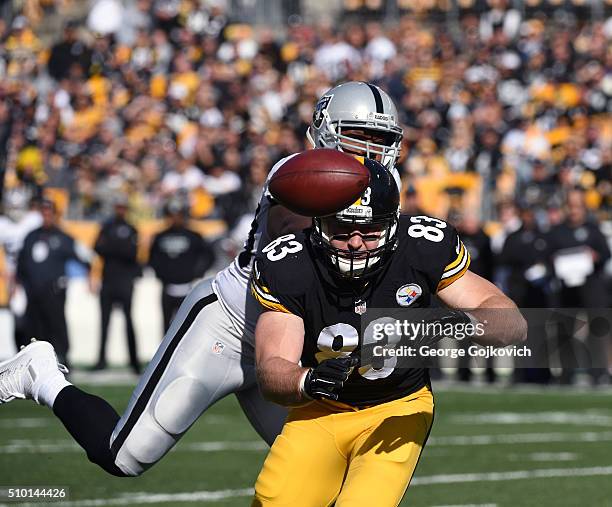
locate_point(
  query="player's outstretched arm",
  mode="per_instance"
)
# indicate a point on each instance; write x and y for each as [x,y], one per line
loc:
[504,323]
[279,339]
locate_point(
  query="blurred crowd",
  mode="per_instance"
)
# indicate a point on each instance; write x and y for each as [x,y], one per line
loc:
[156,97]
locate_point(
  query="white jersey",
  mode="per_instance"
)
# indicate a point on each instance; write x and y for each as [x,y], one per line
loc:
[232,283]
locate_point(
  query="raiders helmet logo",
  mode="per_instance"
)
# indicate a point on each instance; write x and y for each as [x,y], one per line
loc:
[317,116]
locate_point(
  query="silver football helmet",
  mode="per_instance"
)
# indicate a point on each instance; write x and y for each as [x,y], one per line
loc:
[357,105]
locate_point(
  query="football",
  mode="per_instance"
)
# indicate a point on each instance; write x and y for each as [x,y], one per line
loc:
[319,182]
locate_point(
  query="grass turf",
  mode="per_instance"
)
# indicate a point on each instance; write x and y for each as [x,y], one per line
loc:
[566,430]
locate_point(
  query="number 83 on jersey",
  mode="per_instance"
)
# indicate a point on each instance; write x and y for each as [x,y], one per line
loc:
[340,340]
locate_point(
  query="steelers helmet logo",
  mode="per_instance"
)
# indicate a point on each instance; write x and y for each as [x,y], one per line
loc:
[408,294]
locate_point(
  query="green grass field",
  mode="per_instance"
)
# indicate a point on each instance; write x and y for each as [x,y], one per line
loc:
[488,447]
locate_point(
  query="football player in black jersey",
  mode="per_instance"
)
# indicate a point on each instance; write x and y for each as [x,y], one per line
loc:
[355,432]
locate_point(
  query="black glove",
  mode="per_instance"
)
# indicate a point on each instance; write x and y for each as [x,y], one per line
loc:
[327,378]
[439,321]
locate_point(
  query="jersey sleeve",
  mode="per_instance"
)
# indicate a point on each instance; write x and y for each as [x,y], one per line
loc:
[458,262]
[271,290]
[434,247]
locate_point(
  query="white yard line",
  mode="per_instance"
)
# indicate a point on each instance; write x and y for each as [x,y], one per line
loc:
[589,417]
[545,456]
[57,446]
[42,422]
[469,505]
[209,496]
[520,438]
[148,498]
[585,418]
[514,475]
[24,422]
[449,386]
[256,445]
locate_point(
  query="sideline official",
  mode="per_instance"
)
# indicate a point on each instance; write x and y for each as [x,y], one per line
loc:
[179,256]
[528,284]
[117,244]
[41,270]
[578,254]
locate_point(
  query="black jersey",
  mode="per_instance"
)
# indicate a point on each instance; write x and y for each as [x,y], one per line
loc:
[117,244]
[566,235]
[179,255]
[42,260]
[290,276]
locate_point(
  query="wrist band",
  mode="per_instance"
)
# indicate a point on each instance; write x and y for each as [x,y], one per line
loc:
[303,384]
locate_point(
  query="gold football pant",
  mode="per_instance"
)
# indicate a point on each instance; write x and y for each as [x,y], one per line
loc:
[332,452]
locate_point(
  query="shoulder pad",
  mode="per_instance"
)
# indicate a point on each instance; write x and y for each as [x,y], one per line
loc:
[283,274]
[286,249]
[285,262]
[433,246]
[425,233]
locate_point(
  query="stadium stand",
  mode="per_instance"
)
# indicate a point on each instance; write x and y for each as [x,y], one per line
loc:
[500,101]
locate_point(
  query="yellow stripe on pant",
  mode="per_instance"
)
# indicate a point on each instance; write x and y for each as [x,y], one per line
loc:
[353,457]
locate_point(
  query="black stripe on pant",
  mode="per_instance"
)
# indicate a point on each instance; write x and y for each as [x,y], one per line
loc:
[156,376]
[91,420]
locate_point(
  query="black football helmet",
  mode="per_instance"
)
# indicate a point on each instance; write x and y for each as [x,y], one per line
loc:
[378,209]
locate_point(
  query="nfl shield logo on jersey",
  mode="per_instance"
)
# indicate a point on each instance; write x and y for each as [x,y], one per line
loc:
[218,347]
[408,294]
[360,307]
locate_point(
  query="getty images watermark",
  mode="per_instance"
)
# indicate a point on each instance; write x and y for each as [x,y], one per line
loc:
[410,335]
[415,337]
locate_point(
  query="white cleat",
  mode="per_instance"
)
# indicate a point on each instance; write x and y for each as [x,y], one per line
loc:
[23,375]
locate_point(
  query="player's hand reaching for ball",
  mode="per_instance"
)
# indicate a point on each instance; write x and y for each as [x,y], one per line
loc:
[327,379]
